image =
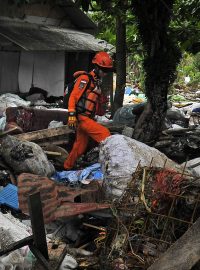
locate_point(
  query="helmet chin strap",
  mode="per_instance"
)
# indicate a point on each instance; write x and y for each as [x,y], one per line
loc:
[96,71]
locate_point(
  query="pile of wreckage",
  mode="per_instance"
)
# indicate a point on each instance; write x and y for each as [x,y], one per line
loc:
[126,206]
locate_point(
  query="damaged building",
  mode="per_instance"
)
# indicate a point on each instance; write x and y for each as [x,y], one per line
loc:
[42,45]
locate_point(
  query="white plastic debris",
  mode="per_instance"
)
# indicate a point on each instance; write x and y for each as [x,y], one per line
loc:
[187,79]
[119,157]
[55,124]
[2,123]
[102,119]
[194,165]
[68,263]
[12,230]
[12,100]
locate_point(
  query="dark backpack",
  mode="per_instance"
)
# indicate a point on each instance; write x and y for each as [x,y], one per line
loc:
[70,86]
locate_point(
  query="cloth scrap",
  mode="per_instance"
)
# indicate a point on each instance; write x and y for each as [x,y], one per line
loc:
[92,172]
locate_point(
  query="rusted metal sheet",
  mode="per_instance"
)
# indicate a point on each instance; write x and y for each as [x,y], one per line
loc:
[57,199]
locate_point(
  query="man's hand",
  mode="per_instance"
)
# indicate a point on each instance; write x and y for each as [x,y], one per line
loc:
[72,120]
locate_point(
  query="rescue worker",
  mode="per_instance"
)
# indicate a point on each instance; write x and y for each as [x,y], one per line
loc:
[82,107]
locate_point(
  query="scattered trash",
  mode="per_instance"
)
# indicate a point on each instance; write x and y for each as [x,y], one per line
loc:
[12,100]
[55,124]
[128,114]
[180,144]
[157,207]
[68,263]
[92,172]
[12,230]
[2,123]
[142,206]
[194,165]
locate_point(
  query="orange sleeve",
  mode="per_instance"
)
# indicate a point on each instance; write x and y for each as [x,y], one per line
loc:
[78,90]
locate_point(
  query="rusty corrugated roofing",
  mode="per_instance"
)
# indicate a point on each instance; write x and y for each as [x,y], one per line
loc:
[57,200]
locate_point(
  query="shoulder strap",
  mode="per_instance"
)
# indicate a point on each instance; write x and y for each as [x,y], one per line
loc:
[91,79]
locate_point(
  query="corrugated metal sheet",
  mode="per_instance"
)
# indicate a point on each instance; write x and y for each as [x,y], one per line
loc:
[33,37]
[57,200]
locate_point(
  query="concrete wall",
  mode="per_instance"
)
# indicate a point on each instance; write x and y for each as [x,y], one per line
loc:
[47,69]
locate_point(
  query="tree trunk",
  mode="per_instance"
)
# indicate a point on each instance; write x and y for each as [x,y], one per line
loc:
[161,59]
[120,63]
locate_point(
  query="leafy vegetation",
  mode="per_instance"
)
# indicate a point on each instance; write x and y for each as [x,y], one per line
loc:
[189,67]
[185,30]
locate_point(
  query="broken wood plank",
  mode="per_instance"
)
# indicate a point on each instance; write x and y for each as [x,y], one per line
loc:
[54,142]
[50,153]
[7,132]
[177,130]
[44,134]
[183,254]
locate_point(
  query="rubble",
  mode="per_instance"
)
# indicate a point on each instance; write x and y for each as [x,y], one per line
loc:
[157,208]
[12,100]
[12,230]
[180,143]
[134,214]
[25,156]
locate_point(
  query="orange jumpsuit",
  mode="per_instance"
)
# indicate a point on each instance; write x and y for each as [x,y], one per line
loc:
[83,100]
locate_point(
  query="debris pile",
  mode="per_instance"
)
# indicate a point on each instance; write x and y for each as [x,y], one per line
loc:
[123,206]
[120,155]
[157,208]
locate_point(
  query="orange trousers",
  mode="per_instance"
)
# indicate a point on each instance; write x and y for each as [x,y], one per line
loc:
[86,128]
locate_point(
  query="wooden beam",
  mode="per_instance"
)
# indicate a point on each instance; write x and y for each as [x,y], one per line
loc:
[183,254]
[44,134]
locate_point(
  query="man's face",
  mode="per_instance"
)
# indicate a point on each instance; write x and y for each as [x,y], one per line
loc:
[102,73]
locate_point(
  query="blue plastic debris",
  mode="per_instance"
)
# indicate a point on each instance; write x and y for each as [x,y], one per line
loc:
[128,90]
[9,196]
[92,172]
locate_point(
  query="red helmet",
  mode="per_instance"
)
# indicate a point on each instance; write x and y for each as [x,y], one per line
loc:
[103,59]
